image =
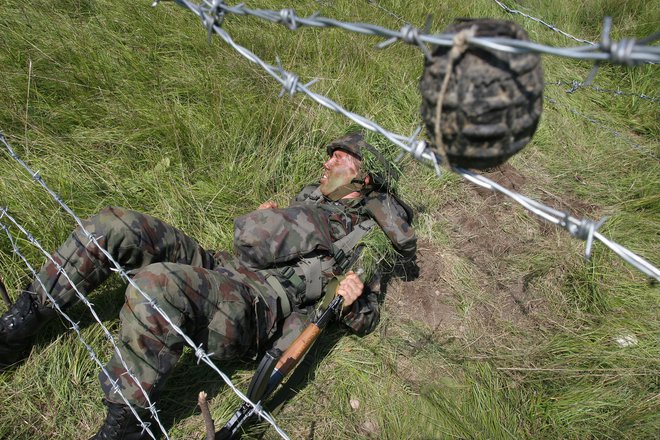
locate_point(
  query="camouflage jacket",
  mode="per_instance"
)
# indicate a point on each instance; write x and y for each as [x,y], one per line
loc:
[273,239]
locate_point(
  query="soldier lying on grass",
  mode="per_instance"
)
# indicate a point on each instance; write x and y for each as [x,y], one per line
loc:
[233,305]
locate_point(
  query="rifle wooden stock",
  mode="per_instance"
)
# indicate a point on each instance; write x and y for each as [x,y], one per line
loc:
[287,362]
[297,349]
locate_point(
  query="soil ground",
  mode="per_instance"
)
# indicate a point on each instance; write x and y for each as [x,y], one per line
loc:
[487,233]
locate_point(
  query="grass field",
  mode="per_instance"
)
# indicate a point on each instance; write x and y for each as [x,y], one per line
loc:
[506,333]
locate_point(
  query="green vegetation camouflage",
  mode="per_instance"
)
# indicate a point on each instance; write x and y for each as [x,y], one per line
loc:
[373,160]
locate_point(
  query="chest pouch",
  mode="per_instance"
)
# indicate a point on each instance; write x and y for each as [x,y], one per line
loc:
[267,237]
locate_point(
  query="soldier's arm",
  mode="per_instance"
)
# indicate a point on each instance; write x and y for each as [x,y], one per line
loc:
[363,315]
[395,220]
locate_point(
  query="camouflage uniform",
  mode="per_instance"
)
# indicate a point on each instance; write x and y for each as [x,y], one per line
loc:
[221,301]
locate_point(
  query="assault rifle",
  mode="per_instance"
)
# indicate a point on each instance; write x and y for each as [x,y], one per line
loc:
[275,366]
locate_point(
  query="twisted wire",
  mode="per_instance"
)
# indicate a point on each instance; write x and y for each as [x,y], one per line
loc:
[75,326]
[419,149]
[626,51]
[388,12]
[200,354]
[577,85]
[548,25]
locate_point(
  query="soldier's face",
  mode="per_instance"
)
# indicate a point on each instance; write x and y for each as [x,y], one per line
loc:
[339,170]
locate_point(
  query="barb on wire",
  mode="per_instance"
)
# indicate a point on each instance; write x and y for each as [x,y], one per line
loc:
[74,325]
[626,51]
[409,35]
[421,152]
[200,354]
[642,149]
[213,16]
[578,228]
[577,85]
[548,25]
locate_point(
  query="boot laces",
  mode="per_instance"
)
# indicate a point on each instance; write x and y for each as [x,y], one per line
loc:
[17,313]
[119,423]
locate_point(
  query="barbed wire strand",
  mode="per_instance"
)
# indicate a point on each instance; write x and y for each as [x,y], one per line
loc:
[200,354]
[578,85]
[626,51]
[642,149]
[388,12]
[584,229]
[75,326]
[574,85]
[544,23]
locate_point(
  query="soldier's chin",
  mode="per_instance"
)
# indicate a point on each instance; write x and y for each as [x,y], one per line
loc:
[327,187]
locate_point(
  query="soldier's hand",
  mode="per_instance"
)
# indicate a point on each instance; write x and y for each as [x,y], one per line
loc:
[268,205]
[350,288]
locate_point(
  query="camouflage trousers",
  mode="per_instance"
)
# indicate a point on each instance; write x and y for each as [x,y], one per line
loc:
[216,306]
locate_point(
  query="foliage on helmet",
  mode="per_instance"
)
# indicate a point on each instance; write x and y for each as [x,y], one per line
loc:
[376,155]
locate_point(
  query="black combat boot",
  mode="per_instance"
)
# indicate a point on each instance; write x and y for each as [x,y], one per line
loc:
[121,424]
[19,325]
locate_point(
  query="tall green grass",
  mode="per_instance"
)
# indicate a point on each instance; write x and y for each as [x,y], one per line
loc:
[117,103]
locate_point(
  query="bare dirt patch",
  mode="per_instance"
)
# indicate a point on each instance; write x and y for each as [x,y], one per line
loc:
[427,298]
[490,237]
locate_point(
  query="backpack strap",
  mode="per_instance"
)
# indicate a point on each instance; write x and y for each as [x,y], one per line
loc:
[345,246]
[307,274]
[312,268]
[285,302]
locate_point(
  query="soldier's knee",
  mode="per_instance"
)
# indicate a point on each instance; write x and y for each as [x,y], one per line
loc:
[115,221]
[163,282]
[147,300]
[152,278]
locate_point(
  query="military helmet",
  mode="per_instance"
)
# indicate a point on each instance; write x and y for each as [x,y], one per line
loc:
[373,162]
[383,172]
[351,143]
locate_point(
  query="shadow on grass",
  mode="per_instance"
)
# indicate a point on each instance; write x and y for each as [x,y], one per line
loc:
[179,398]
[107,302]
[303,376]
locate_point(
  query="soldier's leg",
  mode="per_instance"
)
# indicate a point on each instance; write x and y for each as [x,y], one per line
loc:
[211,308]
[133,239]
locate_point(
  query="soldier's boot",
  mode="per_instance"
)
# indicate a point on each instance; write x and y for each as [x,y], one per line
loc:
[18,327]
[121,424]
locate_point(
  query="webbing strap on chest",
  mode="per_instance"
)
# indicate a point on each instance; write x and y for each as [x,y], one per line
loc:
[277,287]
[347,243]
[312,269]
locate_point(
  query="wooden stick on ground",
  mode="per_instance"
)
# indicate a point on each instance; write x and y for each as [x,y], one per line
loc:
[206,414]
